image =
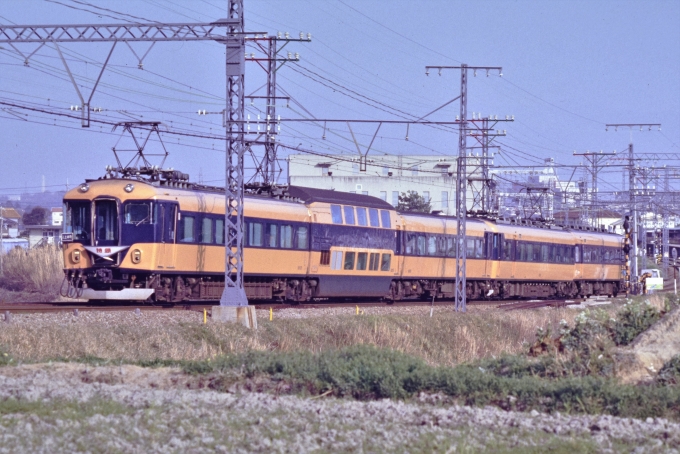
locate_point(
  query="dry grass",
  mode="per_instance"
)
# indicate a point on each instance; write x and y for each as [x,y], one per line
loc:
[447,338]
[37,270]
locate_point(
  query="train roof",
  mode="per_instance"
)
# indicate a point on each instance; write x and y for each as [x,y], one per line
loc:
[311,195]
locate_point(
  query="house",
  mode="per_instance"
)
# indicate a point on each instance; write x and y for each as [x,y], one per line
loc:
[39,235]
[57,216]
[10,222]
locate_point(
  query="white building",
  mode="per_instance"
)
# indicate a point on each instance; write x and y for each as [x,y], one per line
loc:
[385,177]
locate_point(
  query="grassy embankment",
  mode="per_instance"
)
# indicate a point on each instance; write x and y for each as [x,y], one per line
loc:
[478,358]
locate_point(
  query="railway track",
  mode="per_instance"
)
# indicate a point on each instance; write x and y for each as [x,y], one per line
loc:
[45,307]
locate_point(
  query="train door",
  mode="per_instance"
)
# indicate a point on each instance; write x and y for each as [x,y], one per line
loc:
[493,253]
[168,250]
[578,260]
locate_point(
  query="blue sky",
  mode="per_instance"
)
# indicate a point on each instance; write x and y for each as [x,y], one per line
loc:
[569,67]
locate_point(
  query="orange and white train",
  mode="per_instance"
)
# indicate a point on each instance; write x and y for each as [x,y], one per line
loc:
[163,240]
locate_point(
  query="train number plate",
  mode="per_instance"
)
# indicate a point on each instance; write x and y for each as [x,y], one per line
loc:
[67,237]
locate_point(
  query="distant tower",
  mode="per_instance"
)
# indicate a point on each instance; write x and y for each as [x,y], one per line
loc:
[200,175]
[43,183]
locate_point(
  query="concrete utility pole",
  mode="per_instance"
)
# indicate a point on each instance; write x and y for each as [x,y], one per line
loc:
[594,159]
[461,179]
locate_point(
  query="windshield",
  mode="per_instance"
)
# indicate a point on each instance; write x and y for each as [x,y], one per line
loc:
[77,220]
[106,223]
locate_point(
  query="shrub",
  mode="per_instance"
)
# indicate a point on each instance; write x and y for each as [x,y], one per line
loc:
[633,319]
[366,372]
[670,372]
[35,270]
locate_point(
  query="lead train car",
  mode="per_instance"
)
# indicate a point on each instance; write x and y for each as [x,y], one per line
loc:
[128,239]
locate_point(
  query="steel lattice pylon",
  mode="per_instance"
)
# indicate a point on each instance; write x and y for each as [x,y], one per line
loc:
[234,293]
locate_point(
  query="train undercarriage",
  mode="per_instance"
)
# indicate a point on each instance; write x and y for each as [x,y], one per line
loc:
[181,288]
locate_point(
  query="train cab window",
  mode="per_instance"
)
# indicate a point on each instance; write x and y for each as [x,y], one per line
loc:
[325,258]
[373,262]
[186,229]
[255,234]
[361,217]
[336,260]
[349,261]
[272,235]
[206,231]
[385,262]
[373,217]
[287,236]
[139,213]
[106,222]
[362,258]
[349,215]
[385,218]
[77,220]
[431,245]
[336,214]
[219,231]
[301,238]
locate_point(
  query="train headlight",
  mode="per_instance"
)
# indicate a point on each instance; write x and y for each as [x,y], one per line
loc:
[84,187]
[136,256]
[129,187]
[75,256]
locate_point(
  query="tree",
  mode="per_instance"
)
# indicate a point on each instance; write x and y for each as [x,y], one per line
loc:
[37,216]
[412,201]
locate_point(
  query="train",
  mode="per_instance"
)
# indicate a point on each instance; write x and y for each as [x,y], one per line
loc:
[161,239]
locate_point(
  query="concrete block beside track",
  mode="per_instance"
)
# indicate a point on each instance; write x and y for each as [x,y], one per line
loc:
[245,315]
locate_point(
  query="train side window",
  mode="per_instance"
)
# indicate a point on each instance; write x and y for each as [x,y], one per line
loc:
[577,255]
[385,218]
[219,231]
[349,261]
[373,262]
[349,215]
[325,258]
[507,250]
[301,238]
[139,213]
[545,256]
[255,234]
[206,231]
[272,235]
[287,236]
[470,248]
[479,248]
[431,245]
[336,214]
[385,263]
[361,217]
[451,246]
[336,260]
[441,246]
[362,258]
[410,243]
[186,229]
[373,217]
[420,245]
